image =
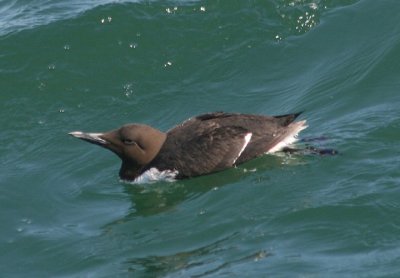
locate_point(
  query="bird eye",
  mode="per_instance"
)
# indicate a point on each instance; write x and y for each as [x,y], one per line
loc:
[128,142]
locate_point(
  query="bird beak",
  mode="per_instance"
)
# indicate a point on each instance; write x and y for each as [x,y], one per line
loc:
[94,138]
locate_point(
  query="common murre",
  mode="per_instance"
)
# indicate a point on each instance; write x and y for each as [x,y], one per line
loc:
[200,145]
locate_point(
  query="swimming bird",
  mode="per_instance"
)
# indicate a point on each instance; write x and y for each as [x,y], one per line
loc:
[201,145]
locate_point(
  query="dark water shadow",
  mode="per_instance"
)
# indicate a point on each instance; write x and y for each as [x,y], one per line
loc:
[201,261]
[151,199]
[162,265]
[160,197]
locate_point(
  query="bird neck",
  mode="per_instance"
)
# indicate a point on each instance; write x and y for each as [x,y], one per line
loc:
[129,171]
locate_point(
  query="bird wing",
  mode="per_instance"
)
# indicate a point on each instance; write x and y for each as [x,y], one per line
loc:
[214,150]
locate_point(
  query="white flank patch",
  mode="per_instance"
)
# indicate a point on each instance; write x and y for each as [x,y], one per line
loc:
[290,138]
[247,139]
[153,175]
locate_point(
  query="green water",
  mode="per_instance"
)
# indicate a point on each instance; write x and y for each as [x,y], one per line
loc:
[78,65]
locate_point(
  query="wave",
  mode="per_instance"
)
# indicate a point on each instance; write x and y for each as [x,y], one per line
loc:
[297,17]
[19,15]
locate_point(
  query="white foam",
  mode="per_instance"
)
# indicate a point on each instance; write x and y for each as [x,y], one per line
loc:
[247,139]
[290,138]
[154,175]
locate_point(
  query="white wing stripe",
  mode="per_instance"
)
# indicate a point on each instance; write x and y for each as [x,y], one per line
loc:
[247,139]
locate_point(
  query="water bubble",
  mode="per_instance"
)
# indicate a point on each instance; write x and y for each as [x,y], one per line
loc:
[313,6]
[67,47]
[171,10]
[260,255]
[42,86]
[26,220]
[167,64]
[202,212]
[51,67]
[202,9]
[128,89]
[105,20]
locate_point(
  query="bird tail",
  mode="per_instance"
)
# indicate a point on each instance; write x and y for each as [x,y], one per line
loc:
[288,136]
[285,120]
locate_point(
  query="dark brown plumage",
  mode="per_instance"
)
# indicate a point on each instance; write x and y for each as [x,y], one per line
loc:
[200,145]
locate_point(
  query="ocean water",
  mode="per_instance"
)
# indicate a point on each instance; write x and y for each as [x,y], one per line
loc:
[95,65]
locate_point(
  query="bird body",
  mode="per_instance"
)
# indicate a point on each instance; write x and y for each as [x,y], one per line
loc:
[200,145]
